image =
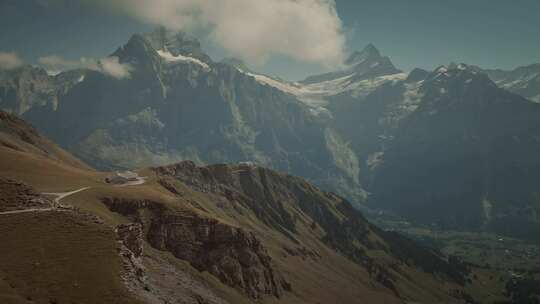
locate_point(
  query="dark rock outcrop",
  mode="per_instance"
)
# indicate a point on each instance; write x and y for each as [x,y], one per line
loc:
[131,236]
[16,195]
[236,257]
[231,254]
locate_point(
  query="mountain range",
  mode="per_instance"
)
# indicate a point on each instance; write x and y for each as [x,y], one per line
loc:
[455,147]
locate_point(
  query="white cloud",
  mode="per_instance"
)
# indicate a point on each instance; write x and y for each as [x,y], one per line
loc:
[57,63]
[10,61]
[108,65]
[306,30]
[112,67]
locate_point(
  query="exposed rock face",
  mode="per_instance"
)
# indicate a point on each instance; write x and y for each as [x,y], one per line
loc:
[15,195]
[170,284]
[29,87]
[24,88]
[233,255]
[131,236]
[236,257]
[177,43]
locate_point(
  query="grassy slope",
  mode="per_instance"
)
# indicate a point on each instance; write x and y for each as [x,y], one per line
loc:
[59,257]
[53,257]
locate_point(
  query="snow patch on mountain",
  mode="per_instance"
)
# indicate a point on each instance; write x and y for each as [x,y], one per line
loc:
[280,85]
[170,58]
[316,94]
[365,87]
[409,102]
[521,83]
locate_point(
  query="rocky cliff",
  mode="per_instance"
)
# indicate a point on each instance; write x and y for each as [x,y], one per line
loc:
[233,255]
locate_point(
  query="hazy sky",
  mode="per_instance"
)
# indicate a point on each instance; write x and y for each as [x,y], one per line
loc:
[414,33]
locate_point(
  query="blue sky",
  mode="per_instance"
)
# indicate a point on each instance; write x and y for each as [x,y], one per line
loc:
[414,33]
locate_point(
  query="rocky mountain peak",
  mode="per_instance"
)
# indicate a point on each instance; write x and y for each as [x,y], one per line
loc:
[460,74]
[23,73]
[237,63]
[524,80]
[147,48]
[137,47]
[417,75]
[459,85]
[370,52]
[364,64]
[176,43]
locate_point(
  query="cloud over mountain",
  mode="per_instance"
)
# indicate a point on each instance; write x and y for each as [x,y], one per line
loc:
[108,65]
[10,61]
[254,30]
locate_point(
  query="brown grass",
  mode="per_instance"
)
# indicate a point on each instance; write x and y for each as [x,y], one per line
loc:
[43,173]
[58,257]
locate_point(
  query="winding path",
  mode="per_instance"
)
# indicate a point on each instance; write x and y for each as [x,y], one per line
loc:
[28,210]
[59,196]
[62,195]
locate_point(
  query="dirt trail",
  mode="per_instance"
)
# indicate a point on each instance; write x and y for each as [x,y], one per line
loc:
[59,197]
[62,195]
[30,210]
